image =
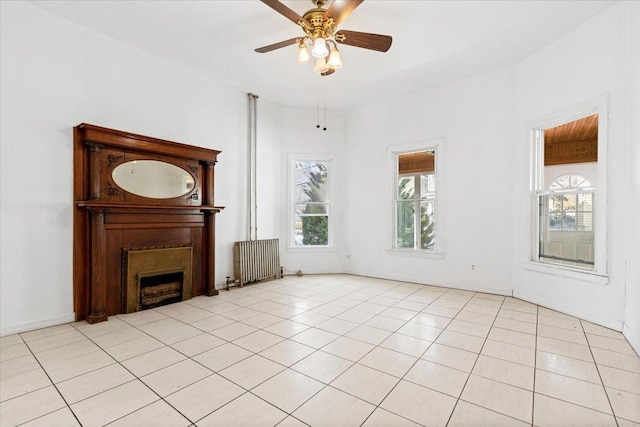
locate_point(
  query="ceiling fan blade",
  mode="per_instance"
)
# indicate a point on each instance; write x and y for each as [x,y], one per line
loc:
[265,49]
[340,9]
[284,11]
[378,42]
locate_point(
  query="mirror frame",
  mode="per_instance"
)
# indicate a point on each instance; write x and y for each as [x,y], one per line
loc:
[146,175]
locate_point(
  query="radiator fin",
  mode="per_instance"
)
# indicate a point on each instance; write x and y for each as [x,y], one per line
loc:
[256,260]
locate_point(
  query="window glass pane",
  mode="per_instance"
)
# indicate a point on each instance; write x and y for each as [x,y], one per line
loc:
[569,211]
[406,187]
[311,230]
[562,238]
[569,202]
[427,185]
[311,181]
[585,201]
[554,211]
[584,219]
[427,225]
[406,219]
[297,231]
[569,220]
[311,208]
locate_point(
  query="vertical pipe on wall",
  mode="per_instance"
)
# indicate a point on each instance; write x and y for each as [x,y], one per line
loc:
[255,166]
[252,196]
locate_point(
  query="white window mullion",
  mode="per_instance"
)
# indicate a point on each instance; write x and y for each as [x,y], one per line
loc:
[417,228]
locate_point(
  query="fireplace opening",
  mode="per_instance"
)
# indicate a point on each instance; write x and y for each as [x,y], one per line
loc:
[155,276]
[160,289]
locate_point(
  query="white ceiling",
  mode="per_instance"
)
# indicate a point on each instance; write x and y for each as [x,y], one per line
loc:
[433,41]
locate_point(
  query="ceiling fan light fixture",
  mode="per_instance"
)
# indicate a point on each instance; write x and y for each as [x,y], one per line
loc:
[334,58]
[321,66]
[321,34]
[303,53]
[319,48]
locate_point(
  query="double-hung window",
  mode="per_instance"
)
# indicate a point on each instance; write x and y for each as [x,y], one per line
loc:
[569,188]
[417,207]
[311,201]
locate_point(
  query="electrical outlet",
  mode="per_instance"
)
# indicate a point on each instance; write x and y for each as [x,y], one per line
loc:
[473,267]
[349,256]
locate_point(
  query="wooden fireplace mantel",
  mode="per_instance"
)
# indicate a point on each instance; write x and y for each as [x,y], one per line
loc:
[109,219]
[101,205]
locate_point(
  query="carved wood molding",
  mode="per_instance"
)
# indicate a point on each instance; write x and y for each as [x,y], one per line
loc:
[107,217]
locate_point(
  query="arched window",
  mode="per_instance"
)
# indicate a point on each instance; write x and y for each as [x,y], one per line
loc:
[569,182]
[569,203]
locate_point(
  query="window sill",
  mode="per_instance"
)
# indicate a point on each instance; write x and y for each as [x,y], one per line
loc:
[567,272]
[311,249]
[417,253]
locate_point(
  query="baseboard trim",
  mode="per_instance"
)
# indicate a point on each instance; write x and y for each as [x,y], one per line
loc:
[571,311]
[633,339]
[451,285]
[38,324]
[598,320]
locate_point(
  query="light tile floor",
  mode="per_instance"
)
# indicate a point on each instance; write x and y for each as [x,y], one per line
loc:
[324,351]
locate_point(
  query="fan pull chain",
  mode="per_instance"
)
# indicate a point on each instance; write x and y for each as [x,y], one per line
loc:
[325,109]
[318,109]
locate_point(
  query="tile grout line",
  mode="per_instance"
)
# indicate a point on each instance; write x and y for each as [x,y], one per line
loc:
[414,363]
[572,378]
[315,349]
[475,362]
[606,393]
[254,353]
[135,376]
[325,385]
[213,371]
[363,356]
[323,302]
[52,383]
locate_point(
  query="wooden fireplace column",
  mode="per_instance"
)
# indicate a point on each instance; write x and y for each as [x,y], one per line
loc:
[109,219]
[210,218]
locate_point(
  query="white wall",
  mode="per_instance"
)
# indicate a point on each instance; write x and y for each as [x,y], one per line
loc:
[631,326]
[589,61]
[474,117]
[56,74]
[299,135]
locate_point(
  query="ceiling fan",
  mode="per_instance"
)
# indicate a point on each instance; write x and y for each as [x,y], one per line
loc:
[321,36]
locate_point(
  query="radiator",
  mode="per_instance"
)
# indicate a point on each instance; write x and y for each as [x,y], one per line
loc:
[256,260]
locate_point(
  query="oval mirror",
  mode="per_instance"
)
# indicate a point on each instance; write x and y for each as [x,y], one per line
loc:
[153,179]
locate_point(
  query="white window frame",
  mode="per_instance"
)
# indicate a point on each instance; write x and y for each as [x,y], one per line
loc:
[598,106]
[294,158]
[436,145]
